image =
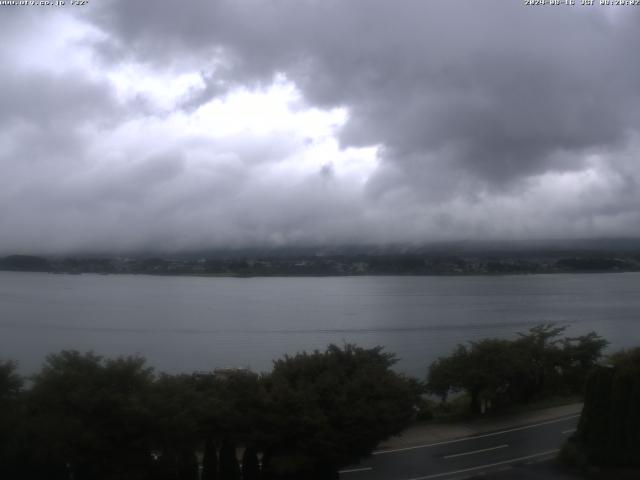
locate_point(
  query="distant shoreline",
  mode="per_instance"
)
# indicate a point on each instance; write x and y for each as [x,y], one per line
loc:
[328,275]
[318,265]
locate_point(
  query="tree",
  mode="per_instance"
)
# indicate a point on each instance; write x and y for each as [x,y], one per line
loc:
[250,464]
[485,371]
[329,409]
[210,461]
[580,355]
[626,358]
[88,417]
[236,403]
[187,464]
[609,428]
[446,374]
[594,424]
[497,372]
[12,441]
[176,431]
[229,467]
[10,383]
[541,348]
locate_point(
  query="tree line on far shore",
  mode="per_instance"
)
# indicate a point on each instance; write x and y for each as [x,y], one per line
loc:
[88,417]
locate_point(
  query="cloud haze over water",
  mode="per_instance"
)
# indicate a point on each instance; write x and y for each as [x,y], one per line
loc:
[186,125]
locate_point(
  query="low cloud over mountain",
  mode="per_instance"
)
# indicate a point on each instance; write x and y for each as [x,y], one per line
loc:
[201,124]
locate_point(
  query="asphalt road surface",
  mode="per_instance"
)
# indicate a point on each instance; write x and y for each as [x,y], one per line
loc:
[467,457]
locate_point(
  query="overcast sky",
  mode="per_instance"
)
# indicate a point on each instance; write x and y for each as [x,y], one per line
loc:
[131,124]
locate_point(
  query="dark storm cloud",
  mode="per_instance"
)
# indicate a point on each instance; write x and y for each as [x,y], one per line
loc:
[505,91]
[489,119]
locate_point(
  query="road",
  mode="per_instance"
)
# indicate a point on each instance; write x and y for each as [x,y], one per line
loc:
[466,457]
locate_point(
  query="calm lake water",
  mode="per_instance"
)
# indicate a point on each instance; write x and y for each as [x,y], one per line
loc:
[190,323]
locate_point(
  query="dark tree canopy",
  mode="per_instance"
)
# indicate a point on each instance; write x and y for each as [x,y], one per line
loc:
[210,461]
[609,428]
[10,419]
[334,407]
[90,418]
[89,415]
[495,372]
[250,464]
[229,466]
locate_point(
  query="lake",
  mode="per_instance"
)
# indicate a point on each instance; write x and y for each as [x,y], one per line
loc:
[200,323]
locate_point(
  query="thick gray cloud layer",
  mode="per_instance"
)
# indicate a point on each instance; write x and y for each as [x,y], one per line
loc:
[488,119]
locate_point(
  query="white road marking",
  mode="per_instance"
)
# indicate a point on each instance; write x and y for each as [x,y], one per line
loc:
[354,470]
[466,439]
[567,432]
[475,451]
[489,465]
